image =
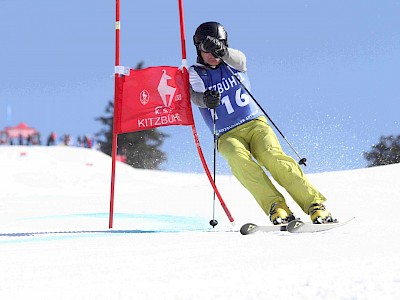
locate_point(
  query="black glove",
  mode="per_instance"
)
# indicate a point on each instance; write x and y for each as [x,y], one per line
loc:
[211,98]
[213,46]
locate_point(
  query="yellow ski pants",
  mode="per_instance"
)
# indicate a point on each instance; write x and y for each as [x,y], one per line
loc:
[256,139]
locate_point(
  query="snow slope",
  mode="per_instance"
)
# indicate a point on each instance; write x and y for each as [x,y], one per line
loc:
[55,242]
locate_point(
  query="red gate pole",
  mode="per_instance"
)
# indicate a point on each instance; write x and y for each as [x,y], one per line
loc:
[114,135]
[196,139]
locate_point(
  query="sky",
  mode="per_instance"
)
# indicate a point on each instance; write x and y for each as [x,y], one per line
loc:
[325,72]
[55,242]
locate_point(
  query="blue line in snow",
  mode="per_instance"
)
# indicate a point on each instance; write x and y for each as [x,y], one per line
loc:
[150,223]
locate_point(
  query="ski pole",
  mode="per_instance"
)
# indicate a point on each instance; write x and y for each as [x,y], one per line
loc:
[214,222]
[303,160]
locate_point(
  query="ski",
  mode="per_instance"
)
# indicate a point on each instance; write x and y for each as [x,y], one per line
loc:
[250,228]
[298,226]
[295,226]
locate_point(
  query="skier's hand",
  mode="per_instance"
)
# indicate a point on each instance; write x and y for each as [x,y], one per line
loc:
[214,46]
[211,98]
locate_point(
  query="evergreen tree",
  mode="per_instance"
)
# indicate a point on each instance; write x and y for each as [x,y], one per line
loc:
[141,148]
[107,120]
[386,152]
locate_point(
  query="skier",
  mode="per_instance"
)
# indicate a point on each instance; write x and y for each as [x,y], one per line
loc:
[245,139]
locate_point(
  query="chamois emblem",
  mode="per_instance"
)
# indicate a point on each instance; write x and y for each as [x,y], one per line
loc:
[165,90]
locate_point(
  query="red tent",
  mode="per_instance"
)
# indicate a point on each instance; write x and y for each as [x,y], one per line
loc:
[20,130]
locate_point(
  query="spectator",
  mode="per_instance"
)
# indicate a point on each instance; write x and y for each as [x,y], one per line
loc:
[29,140]
[79,141]
[51,139]
[67,140]
[87,142]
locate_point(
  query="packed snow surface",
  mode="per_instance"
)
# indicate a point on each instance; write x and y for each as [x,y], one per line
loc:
[55,242]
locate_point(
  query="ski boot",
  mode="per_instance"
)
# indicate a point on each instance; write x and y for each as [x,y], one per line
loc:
[280,213]
[319,214]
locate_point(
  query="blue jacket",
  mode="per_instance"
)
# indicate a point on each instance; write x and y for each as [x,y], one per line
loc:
[236,106]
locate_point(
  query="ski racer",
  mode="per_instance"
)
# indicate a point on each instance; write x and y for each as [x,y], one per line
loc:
[245,138]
